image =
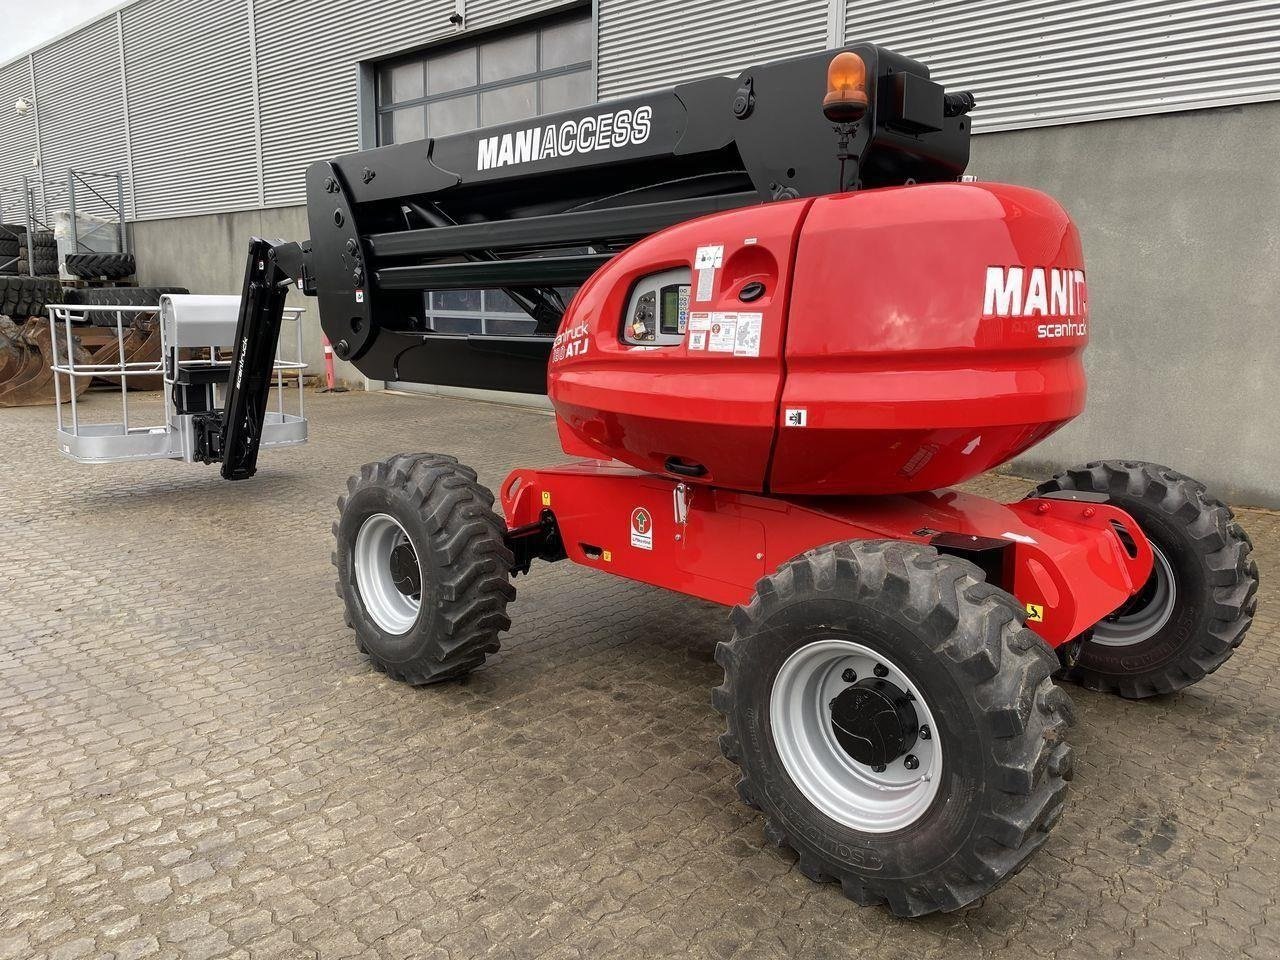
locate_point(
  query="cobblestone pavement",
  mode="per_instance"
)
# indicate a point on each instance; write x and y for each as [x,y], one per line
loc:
[196,762]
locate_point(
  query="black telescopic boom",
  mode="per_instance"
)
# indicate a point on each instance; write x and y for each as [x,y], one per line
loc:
[271,269]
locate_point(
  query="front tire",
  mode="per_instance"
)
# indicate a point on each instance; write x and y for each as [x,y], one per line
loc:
[866,644]
[423,567]
[1200,600]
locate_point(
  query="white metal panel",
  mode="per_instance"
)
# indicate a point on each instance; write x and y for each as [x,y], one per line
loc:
[309,53]
[17,138]
[1037,62]
[191,118]
[645,44]
[81,105]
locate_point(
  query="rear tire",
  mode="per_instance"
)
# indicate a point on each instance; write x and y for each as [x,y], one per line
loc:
[1200,601]
[958,647]
[423,567]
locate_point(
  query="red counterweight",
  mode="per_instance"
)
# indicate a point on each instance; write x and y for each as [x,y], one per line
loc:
[884,341]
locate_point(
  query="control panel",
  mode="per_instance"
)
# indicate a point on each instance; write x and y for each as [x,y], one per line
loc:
[658,309]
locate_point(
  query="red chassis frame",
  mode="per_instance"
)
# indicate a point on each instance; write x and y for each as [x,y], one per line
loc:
[1063,559]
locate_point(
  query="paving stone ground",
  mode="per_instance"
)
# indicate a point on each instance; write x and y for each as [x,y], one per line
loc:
[196,762]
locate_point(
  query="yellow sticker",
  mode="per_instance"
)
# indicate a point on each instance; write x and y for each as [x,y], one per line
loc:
[1035,613]
[546,498]
[608,556]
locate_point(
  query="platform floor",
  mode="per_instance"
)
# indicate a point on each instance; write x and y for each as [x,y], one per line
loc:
[196,762]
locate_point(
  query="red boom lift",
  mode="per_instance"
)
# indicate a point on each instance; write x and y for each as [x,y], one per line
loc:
[770,391]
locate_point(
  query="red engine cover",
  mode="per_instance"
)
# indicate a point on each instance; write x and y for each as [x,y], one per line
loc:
[907,339]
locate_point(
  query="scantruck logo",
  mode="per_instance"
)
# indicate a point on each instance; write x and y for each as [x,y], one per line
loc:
[1054,292]
[601,131]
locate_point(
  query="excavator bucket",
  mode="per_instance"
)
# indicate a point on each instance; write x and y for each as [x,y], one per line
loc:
[26,358]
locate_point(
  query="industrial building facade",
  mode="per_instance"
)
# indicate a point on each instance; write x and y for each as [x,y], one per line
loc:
[1155,123]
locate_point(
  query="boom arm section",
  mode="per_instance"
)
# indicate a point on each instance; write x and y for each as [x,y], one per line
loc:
[541,204]
[232,435]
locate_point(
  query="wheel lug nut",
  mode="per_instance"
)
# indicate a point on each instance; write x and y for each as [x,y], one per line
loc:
[849,675]
[881,670]
[878,768]
[911,762]
[925,732]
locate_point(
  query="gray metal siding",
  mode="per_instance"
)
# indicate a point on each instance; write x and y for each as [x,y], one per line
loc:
[191,116]
[309,54]
[1037,62]
[17,137]
[81,108]
[645,44]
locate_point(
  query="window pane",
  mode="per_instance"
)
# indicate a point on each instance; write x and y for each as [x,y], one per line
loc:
[510,57]
[404,125]
[566,43]
[496,301]
[402,83]
[451,71]
[460,301]
[567,91]
[507,103]
[502,327]
[451,116]
[455,324]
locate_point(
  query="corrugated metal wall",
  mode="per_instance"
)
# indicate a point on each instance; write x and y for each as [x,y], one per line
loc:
[229,100]
[17,138]
[645,44]
[308,60]
[1035,62]
[191,117]
[81,109]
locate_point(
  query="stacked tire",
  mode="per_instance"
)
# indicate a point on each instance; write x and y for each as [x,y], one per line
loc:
[10,237]
[41,249]
[116,297]
[23,297]
[105,266]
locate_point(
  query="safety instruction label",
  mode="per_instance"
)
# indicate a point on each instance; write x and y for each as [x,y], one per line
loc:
[641,529]
[1035,613]
[706,261]
[699,328]
[736,333]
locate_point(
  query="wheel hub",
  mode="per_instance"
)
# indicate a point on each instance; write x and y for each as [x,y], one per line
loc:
[404,569]
[855,735]
[874,721]
[388,575]
[1144,614]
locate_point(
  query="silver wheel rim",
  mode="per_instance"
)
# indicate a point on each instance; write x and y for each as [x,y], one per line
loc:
[393,611]
[851,793]
[1129,626]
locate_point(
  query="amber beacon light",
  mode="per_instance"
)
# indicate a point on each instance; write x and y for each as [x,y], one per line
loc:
[846,99]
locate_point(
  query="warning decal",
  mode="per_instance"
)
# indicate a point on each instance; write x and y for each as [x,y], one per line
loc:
[641,529]
[705,263]
[1035,613]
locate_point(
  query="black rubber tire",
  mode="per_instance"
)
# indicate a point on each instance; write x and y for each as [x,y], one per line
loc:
[112,266]
[22,297]
[123,296]
[462,553]
[1209,553]
[988,681]
[12,230]
[8,247]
